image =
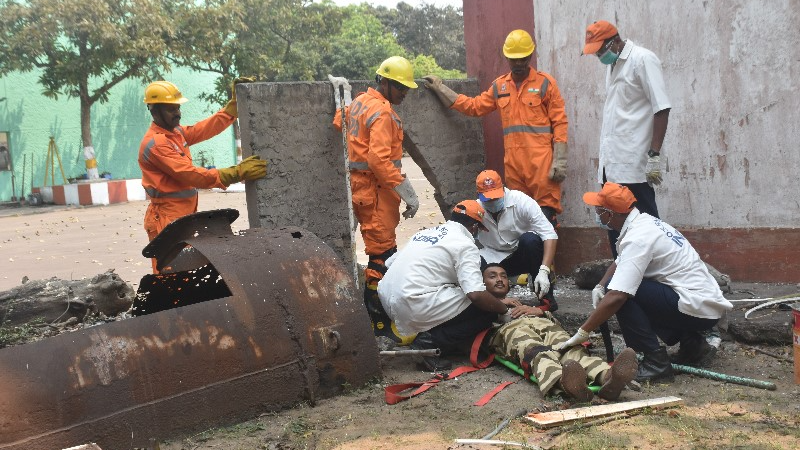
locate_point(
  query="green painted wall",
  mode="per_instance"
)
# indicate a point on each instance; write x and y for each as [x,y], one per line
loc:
[117,128]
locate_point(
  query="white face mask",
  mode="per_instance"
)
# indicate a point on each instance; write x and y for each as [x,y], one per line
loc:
[494,206]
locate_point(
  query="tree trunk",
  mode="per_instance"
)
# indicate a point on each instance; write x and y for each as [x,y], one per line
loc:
[86,131]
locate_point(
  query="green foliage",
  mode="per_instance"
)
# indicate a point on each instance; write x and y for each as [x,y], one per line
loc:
[428,30]
[426,65]
[361,46]
[271,40]
[83,48]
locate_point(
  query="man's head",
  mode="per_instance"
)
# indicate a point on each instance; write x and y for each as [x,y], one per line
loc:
[470,214]
[164,101]
[395,77]
[496,280]
[518,49]
[490,190]
[602,40]
[612,204]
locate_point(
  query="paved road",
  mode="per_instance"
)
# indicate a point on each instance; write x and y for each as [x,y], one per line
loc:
[73,242]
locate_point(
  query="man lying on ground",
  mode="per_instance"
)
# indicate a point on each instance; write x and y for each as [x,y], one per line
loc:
[530,339]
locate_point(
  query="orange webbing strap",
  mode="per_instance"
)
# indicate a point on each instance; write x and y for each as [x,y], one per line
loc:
[394,394]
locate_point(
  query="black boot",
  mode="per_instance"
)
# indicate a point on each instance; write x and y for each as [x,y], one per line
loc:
[694,351]
[424,341]
[655,366]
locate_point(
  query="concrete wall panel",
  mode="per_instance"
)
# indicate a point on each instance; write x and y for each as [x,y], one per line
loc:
[289,124]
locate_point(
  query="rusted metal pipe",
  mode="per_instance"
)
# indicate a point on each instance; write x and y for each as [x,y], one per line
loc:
[289,328]
[426,352]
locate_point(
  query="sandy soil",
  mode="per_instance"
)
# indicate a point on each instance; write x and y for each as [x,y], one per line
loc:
[76,242]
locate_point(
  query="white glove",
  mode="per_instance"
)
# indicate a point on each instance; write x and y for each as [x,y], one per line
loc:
[580,337]
[653,170]
[408,195]
[598,293]
[341,81]
[541,284]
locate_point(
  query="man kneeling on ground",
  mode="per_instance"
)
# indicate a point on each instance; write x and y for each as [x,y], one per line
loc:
[434,287]
[531,338]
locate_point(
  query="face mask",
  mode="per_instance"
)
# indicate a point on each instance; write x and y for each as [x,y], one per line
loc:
[600,222]
[495,205]
[609,57]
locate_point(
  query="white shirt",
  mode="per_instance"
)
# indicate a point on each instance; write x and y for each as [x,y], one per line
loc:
[427,281]
[635,91]
[520,215]
[651,248]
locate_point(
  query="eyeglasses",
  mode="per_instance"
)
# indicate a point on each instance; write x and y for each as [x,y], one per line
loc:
[600,211]
[605,47]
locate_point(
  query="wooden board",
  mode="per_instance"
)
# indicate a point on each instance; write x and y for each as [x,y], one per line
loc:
[555,418]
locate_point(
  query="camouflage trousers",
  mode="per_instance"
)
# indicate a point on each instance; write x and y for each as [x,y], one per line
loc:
[538,337]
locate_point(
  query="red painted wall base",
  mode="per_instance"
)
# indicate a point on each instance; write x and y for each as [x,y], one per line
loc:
[746,254]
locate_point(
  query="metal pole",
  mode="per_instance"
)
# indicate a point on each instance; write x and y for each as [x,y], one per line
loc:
[723,377]
[351,216]
[426,352]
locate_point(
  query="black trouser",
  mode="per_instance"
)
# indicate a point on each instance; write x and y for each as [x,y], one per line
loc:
[653,313]
[456,335]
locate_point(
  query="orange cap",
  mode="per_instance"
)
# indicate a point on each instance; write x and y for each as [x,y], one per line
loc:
[613,196]
[489,185]
[596,34]
[471,208]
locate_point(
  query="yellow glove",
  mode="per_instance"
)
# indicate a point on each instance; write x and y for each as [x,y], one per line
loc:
[230,107]
[251,168]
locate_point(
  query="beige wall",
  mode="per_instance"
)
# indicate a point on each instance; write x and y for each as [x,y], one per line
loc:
[731,70]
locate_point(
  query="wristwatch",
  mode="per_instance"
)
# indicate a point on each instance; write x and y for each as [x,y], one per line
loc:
[652,153]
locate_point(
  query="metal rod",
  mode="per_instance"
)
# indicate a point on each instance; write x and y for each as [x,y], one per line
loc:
[427,352]
[350,214]
[723,377]
[504,423]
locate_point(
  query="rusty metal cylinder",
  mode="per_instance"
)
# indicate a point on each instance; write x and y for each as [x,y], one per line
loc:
[291,330]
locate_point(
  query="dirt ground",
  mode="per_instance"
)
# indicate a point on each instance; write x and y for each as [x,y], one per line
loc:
[76,242]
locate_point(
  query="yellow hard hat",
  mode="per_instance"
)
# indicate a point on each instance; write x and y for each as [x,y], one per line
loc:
[519,44]
[398,69]
[163,92]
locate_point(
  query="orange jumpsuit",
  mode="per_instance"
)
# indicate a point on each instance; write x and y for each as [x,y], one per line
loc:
[533,118]
[375,147]
[168,176]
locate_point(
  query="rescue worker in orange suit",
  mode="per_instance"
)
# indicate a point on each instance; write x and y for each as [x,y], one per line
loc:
[533,119]
[168,176]
[375,147]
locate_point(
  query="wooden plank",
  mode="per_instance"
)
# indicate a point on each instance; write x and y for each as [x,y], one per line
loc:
[555,418]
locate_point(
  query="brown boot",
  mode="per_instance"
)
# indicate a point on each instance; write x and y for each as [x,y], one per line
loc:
[621,372]
[573,381]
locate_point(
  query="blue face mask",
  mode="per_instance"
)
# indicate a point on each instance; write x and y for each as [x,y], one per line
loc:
[609,57]
[600,222]
[494,206]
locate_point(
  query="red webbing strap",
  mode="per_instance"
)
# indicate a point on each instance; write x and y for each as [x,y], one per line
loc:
[394,394]
[489,395]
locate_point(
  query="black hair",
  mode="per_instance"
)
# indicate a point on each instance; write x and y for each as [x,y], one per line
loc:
[483,269]
[463,219]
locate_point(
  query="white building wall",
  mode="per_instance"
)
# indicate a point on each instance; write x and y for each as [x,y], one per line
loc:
[731,69]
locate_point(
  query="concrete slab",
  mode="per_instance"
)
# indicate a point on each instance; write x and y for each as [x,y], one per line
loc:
[290,125]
